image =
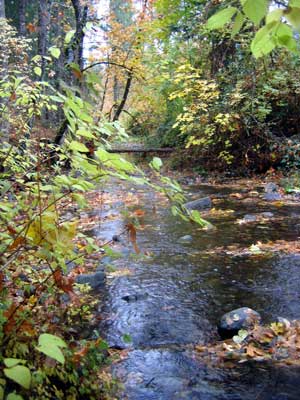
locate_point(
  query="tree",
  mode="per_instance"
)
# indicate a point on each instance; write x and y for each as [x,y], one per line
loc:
[75,50]
[43,32]
[22,17]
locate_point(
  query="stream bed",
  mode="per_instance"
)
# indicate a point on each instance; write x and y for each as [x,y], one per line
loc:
[172,298]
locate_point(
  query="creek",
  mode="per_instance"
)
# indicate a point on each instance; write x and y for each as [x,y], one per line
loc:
[173,298]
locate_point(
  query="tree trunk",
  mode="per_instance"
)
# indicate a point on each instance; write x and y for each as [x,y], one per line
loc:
[43,24]
[125,96]
[77,45]
[2,9]
[22,17]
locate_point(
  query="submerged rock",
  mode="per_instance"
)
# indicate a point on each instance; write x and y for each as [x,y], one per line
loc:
[185,239]
[249,218]
[116,238]
[267,214]
[233,321]
[199,204]
[131,298]
[96,280]
[272,196]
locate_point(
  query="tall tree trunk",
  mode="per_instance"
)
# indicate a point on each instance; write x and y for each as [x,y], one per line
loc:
[77,45]
[22,17]
[74,53]
[43,24]
[2,9]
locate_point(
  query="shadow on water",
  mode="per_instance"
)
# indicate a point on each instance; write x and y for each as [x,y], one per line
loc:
[174,299]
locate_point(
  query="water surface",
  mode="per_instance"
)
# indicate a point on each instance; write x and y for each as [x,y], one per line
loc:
[174,298]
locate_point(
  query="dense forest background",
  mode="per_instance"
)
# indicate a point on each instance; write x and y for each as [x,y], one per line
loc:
[170,79]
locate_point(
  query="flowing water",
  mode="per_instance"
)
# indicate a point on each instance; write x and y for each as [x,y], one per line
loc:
[173,298]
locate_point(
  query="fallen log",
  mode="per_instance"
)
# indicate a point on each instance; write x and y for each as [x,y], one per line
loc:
[140,150]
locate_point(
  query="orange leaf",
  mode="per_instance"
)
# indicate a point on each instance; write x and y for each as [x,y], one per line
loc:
[28,328]
[132,236]
[13,96]
[62,282]
[11,230]
[78,74]
[16,243]
[80,354]
[139,213]
[11,318]
[31,28]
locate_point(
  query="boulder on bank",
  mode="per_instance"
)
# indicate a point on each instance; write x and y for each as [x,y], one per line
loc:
[199,204]
[233,321]
[271,187]
[96,280]
[272,192]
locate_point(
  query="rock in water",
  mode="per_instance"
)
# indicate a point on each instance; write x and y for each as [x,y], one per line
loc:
[267,214]
[272,196]
[249,218]
[199,204]
[233,321]
[185,239]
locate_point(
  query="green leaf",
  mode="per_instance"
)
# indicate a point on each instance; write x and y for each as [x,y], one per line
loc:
[85,117]
[52,351]
[48,339]
[69,36]
[263,42]
[127,338]
[156,163]
[37,71]
[50,346]
[55,52]
[89,25]
[85,133]
[11,362]
[14,396]
[114,161]
[274,16]
[255,9]
[294,3]
[19,374]
[36,58]
[285,37]
[196,217]
[77,146]
[238,23]
[241,336]
[80,200]
[2,393]
[221,18]
[293,16]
